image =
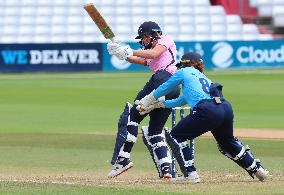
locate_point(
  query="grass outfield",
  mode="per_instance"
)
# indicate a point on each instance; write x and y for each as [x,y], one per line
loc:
[77,164]
[57,132]
[92,102]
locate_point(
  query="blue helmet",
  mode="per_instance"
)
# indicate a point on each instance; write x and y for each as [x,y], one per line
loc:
[148,27]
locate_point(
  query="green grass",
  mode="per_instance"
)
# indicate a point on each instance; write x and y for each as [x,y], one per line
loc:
[57,134]
[58,103]
[64,105]
[54,189]
[72,164]
[91,151]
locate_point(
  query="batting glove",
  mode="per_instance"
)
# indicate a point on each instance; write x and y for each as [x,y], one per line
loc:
[113,48]
[124,52]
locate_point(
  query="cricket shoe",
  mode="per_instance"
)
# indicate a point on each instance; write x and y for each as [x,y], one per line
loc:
[166,171]
[261,173]
[121,166]
[192,177]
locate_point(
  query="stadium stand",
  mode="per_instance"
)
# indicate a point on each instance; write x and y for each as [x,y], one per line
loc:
[60,21]
[270,15]
[270,9]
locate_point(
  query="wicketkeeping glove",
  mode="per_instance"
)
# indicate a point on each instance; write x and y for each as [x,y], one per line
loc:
[148,109]
[146,101]
[149,103]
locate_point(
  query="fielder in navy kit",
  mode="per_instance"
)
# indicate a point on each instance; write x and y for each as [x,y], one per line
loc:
[210,112]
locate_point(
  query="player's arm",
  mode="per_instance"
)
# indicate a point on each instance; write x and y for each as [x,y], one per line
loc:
[150,53]
[139,56]
[169,85]
[145,106]
[152,101]
[137,60]
[180,101]
[134,56]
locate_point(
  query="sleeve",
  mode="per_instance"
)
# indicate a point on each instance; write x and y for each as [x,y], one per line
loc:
[166,41]
[169,85]
[180,101]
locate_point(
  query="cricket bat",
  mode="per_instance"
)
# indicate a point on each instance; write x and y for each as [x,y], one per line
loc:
[100,21]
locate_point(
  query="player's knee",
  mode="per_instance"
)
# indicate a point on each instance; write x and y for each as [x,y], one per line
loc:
[231,148]
[135,115]
[155,130]
[177,136]
[126,123]
[240,154]
[125,115]
[132,128]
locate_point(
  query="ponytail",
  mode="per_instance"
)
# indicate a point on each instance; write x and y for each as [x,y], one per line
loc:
[199,66]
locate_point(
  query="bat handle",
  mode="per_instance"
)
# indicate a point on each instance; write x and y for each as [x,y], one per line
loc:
[114,40]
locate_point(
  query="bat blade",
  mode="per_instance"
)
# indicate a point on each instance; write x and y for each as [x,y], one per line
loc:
[99,20]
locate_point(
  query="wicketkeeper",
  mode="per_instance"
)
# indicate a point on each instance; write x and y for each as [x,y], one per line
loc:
[211,112]
[159,53]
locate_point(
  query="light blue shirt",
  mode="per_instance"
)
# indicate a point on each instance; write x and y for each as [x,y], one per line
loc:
[195,87]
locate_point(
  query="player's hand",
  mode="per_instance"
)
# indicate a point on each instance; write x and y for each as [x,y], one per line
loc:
[149,102]
[146,101]
[124,52]
[113,48]
[145,110]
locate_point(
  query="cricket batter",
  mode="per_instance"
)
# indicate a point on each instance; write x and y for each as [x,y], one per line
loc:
[159,53]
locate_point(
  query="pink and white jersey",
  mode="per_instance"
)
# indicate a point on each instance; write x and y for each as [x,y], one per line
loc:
[166,58]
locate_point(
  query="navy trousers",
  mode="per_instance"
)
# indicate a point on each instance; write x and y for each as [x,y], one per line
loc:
[209,116]
[217,118]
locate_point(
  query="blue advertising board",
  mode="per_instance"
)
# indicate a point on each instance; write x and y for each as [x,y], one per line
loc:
[51,57]
[94,56]
[218,55]
[238,54]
